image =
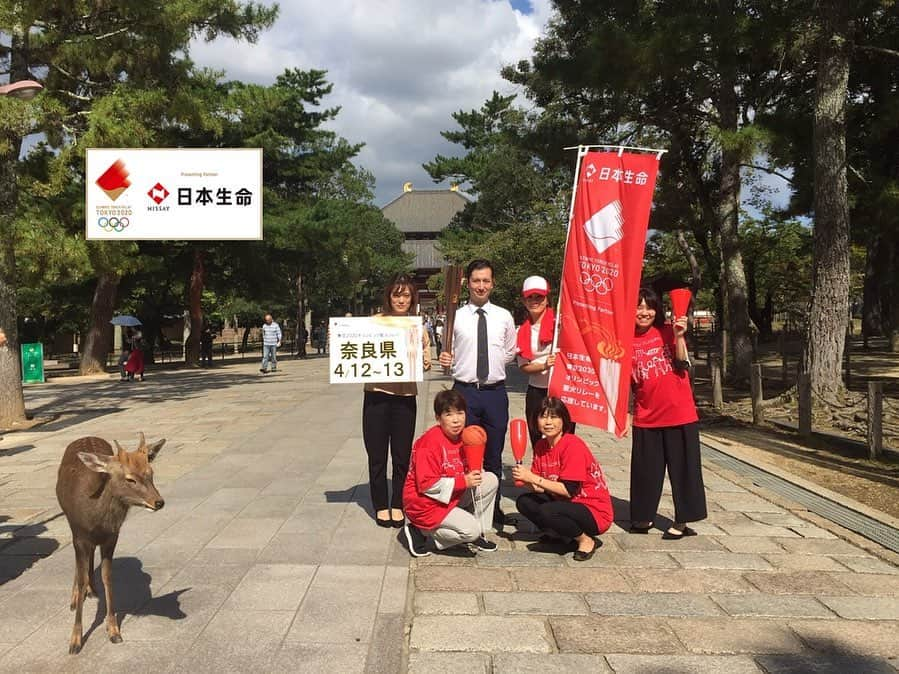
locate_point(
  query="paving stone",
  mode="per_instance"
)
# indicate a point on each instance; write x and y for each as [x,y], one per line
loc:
[24,611]
[746,503]
[340,605]
[272,587]
[811,531]
[657,604]
[627,560]
[863,608]
[654,542]
[290,548]
[850,637]
[393,590]
[346,658]
[523,634]
[279,505]
[720,560]
[758,529]
[534,603]
[178,614]
[815,546]
[430,662]
[237,639]
[869,565]
[465,579]
[594,634]
[696,581]
[677,664]
[823,664]
[385,653]
[774,606]
[797,582]
[446,603]
[750,544]
[555,663]
[509,558]
[793,562]
[870,584]
[582,579]
[735,635]
[225,575]
[246,533]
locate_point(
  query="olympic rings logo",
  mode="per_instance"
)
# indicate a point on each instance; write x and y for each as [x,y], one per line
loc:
[113,224]
[596,283]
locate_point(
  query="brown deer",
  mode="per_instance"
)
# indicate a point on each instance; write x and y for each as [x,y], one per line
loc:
[95,488]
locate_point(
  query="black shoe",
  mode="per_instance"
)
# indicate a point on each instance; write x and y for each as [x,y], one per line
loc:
[262,370]
[675,535]
[384,523]
[415,540]
[398,524]
[639,530]
[484,545]
[580,556]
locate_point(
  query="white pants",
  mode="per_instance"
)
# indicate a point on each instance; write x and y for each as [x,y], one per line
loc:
[466,522]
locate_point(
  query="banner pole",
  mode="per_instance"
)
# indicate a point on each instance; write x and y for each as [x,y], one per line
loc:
[581,153]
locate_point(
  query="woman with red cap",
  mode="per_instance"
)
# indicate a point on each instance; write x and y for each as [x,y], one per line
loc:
[535,357]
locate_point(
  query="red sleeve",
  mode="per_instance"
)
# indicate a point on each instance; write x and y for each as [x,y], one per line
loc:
[535,468]
[574,460]
[428,468]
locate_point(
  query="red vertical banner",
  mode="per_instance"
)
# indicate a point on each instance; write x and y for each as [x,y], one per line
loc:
[600,279]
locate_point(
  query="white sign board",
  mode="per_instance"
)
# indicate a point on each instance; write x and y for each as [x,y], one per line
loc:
[376,349]
[176,193]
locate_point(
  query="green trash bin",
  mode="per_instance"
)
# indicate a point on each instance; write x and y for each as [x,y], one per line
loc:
[32,363]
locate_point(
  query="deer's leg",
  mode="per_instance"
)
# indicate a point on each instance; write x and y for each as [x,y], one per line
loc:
[91,590]
[82,556]
[112,625]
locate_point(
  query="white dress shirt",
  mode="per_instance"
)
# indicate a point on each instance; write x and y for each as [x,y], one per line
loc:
[501,342]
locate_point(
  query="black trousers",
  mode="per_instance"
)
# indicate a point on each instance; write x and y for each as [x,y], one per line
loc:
[388,424]
[564,517]
[532,399]
[489,409]
[677,449]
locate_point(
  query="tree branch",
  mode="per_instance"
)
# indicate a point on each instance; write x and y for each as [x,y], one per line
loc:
[767,169]
[878,50]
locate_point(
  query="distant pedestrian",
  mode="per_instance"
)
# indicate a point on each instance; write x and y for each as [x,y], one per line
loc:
[302,336]
[665,425]
[271,340]
[135,363]
[127,340]
[320,338]
[568,493]
[206,339]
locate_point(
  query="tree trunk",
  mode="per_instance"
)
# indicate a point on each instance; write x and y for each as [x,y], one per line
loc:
[695,269]
[301,317]
[829,308]
[734,276]
[197,281]
[892,298]
[96,341]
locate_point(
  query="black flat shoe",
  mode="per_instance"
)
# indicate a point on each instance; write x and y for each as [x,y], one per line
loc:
[581,556]
[639,530]
[384,523]
[676,535]
[397,524]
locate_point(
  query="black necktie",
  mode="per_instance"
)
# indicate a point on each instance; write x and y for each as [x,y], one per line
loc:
[483,363]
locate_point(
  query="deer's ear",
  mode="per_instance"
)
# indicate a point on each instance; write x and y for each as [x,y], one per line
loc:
[153,450]
[98,464]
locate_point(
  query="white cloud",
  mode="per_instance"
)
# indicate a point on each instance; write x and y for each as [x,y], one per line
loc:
[399,68]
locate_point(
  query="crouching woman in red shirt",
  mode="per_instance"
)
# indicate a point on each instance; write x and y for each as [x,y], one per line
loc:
[665,424]
[439,495]
[569,495]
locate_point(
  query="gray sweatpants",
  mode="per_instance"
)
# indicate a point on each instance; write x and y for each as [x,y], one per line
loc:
[463,524]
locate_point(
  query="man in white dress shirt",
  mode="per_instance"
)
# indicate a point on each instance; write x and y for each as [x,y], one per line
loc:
[484,342]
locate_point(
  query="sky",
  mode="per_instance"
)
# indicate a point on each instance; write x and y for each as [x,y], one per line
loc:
[400,68]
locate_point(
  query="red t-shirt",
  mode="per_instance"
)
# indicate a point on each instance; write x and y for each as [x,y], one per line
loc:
[662,395]
[434,456]
[571,459]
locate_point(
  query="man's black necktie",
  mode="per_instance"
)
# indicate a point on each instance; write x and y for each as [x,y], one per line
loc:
[483,363]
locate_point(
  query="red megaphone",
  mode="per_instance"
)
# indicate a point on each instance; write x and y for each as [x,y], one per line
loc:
[518,437]
[680,301]
[474,442]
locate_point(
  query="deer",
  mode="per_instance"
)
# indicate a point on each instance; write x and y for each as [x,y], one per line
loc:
[95,488]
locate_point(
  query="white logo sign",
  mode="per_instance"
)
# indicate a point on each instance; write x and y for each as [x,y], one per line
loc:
[604,228]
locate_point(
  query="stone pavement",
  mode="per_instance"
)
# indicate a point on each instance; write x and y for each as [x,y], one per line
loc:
[265,557]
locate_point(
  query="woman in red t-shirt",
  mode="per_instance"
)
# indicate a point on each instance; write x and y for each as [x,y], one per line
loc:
[664,422]
[568,493]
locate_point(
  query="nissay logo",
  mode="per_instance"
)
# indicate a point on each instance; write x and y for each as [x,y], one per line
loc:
[114,180]
[158,193]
